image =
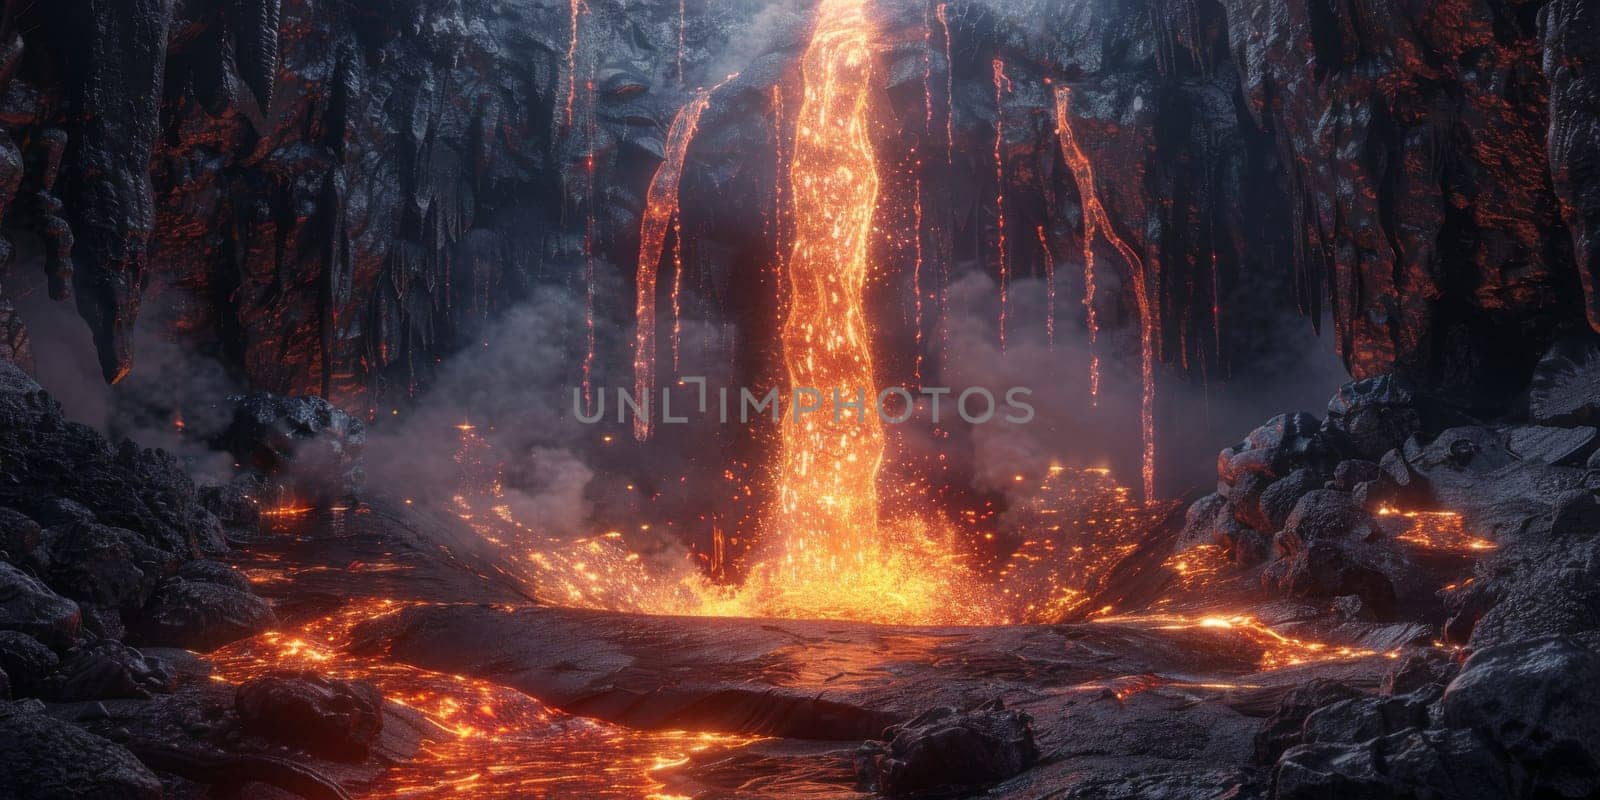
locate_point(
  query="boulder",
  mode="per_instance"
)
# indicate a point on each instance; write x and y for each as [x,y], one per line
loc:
[1413,763]
[28,662]
[1250,548]
[1279,499]
[105,566]
[1274,449]
[1351,473]
[305,443]
[1554,600]
[42,758]
[216,572]
[19,537]
[1565,389]
[111,670]
[1423,669]
[1325,515]
[329,718]
[945,751]
[28,606]
[1283,729]
[1201,517]
[1362,718]
[1374,415]
[201,615]
[1537,701]
[1329,568]
[1244,501]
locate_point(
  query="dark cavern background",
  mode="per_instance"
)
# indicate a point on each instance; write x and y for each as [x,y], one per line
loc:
[347,266]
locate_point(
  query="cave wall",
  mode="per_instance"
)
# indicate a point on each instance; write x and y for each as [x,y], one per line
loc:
[331,196]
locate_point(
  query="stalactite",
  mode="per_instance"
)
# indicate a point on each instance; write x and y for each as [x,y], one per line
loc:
[255,28]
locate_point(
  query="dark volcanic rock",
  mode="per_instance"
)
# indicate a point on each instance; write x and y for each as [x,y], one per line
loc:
[105,566]
[305,442]
[1363,718]
[1283,729]
[1279,499]
[110,670]
[44,460]
[1539,702]
[1374,415]
[1201,518]
[328,718]
[19,536]
[1547,445]
[1420,670]
[28,606]
[1552,600]
[207,571]
[28,663]
[944,751]
[1244,501]
[1443,764]
[1566,384]
[202,615]
[1331,547]
[1352,473]
[1274,449]
[1471,470]
[46,759]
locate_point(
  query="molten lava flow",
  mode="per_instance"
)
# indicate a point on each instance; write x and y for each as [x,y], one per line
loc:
[1277,650]
[661,209]
[1097,223]
[828,494]
[1436,530]
[588,264]
[1049,289]
[1002,84]
[482,740]
[574,9]
[942,12]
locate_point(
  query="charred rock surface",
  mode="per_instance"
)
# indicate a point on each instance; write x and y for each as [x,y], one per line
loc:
[342,196]
[100,573]
[305,444]
[1507,722]
[944,751]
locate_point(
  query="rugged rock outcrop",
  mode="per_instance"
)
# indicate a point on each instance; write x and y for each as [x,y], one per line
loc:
[333,719]
[305,444]
[442,159]
[945,751]
[61,761]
